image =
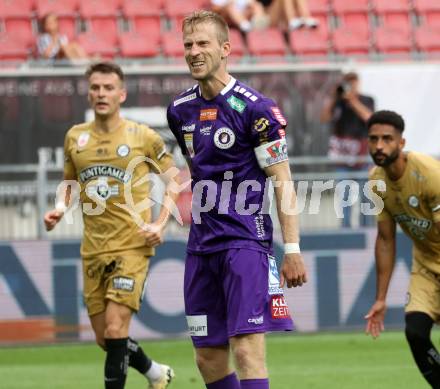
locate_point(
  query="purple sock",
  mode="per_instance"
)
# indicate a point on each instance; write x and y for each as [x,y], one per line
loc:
[255,384]
[229,382]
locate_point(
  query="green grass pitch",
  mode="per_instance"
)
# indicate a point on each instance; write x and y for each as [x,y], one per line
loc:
[327,361]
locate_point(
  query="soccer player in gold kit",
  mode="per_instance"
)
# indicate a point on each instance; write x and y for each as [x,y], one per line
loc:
[411,199]
[110,158]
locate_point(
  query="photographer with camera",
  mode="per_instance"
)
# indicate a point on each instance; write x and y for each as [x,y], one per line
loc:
[347,112]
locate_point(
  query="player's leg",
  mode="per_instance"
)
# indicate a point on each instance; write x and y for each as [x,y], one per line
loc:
[215,367]
[117,322]
[250,359]
[418,333]
[256,305]
[98,324]
[421,311]
[125,286]
[206,316]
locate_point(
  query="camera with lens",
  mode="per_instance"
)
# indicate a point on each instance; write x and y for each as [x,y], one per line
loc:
[343,88]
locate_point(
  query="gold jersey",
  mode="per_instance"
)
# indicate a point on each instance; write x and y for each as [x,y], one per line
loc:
[113,170]
[413,201]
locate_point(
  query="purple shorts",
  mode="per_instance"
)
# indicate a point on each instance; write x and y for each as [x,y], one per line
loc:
[233,292]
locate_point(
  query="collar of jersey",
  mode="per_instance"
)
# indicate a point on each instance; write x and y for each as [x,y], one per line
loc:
[225,90]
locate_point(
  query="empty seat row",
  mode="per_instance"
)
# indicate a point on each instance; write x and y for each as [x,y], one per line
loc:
[98,8]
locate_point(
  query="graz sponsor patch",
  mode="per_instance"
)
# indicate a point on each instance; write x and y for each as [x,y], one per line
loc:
[123,283]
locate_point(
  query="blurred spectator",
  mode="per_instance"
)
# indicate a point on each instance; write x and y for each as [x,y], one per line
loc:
[53,45]
[293,13]
[347,111]
[244,14]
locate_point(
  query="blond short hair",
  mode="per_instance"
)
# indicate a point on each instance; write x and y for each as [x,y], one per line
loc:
[204,16]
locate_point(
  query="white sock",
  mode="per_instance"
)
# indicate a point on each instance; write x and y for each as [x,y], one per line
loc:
[245,26]
[155,371]
[295,23]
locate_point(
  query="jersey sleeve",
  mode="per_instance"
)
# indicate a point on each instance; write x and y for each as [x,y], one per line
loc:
[268,134]
[69,167]
[432,194]
[156,150]
[173,124]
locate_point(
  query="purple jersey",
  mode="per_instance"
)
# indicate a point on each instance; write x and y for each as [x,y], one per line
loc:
[227,139]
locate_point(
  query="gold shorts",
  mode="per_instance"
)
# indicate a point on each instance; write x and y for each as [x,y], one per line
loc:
[120,278]
[424,292]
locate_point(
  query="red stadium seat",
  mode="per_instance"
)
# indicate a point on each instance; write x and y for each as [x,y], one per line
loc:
[172,44]
[427,39]
[391,6]
[134,45]
[424,6]
[21,29]
[237,45]
[105,27]
[355,22]
[268,42]
[350,6]
[429,10]
[95,44]
[392,41]
[393,14]
[58,7]
[176,10]
[12,49]
[145,24]
[398,21]
[309,42]
[98,8]
[15,8]
[319,7]
[136,8]
[347,41]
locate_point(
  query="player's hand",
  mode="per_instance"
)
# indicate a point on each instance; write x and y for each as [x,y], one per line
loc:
[293,271]
[51,219]
[375,318]
[152,233]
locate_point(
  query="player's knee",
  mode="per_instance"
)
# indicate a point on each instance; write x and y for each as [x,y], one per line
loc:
[211,362]
[417,326]
[114,330]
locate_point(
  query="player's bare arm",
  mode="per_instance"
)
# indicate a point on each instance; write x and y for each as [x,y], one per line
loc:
[385,252]
[293,270]
[53,217]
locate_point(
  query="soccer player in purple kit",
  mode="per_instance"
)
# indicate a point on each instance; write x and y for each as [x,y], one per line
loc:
[233,139]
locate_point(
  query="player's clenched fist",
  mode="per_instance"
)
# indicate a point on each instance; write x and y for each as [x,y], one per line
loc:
[51,219]
[293,271]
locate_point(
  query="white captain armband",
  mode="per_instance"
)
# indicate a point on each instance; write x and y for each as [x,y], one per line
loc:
[271,153]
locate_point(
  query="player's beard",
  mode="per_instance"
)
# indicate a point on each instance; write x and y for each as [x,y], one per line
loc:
[388,160]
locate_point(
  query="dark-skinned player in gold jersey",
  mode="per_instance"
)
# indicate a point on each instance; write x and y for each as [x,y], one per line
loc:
[411,199]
